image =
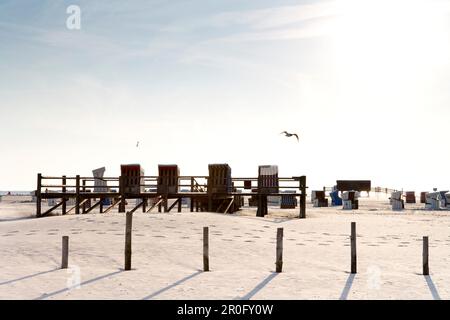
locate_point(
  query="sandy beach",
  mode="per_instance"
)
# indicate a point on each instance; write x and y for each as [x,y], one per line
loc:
[167,254]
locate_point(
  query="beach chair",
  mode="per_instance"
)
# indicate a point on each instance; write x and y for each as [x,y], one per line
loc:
[320,200]
[410,197]
[335,199]
[396,200]
[423,197]
[443,199]
[433,200]
[350,200]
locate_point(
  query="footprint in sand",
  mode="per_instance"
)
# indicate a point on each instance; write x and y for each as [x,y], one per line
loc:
[237,236]
[51,234]
[118,234]
[101,232]
[185,237]
[373,245]
[15,231]
[158,236]
[266,226]
[291,239]
[249,241]
[256,237]
[225,239]
[139,235]
[30,234]
[300,244]
[401,245]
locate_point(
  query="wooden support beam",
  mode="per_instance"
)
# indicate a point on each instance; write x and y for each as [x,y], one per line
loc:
[165,202]
[64,205]
[302,182]
[113,205]
[158,203]
[83,208]
[94,206]
[122,194]
[179,204]
[173,204]
[52,208]
[77,198]
[38,196]
[229,205]
[136,207]
[192,190]
[220,206]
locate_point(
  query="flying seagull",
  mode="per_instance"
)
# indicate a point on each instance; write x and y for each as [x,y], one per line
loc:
[287,134]
[137,144]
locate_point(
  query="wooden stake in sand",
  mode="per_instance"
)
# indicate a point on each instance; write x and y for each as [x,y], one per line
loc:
[279,258]
[353,247]
[426,270]
[65,252]
[205,249]
[128,226]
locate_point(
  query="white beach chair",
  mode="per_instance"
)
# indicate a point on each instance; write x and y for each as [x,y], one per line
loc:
[396,200]
[433,201]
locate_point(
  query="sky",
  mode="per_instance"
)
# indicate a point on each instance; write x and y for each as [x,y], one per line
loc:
[365,84]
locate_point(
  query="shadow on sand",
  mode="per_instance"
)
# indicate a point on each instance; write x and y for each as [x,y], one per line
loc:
[27,277]
[261,285]
[348,286]
[432,287]
[46,295]
[154,294]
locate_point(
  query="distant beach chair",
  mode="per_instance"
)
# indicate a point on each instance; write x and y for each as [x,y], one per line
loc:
[350,200]
[423,197]
[397,201]
[433,200]
[335,199]
[444,201]
[320,199]
[410,197]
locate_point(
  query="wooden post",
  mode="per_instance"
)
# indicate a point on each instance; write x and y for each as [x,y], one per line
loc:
[279,257]
[64,199]
[65,252]
[166,203]
[101,205]
[77,191]
[353,247]
[84,190]
[38,195]
[122,204]
[205,249]
[426,270]
[302,197]
[144,204]
[128,226]
[180,200]
[192,190]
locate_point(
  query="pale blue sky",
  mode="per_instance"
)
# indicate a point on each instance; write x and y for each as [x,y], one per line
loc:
[189,78]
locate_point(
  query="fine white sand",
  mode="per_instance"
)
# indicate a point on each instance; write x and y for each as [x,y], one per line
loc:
[167,254]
